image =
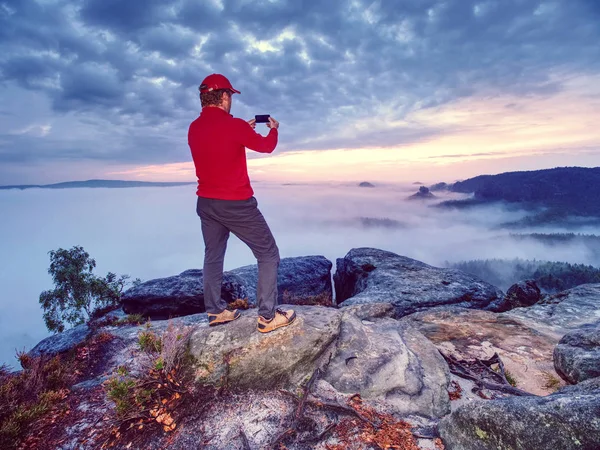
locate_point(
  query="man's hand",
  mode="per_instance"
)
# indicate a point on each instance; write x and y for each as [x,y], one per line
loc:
[273,123]
[252,123]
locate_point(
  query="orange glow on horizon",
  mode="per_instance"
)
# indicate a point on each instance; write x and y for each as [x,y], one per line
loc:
[480,134]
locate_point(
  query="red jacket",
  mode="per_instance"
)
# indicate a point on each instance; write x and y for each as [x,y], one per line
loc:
[218,144]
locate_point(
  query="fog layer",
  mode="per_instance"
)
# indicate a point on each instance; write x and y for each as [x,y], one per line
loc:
[154,232]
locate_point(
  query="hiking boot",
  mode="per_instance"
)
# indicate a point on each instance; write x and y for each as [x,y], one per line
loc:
[282,318]
[224,317]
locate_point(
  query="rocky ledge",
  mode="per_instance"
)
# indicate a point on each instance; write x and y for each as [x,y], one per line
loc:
[374,364]
[567,419]
[369,275]
[301,280]
[357,350]
[577,355]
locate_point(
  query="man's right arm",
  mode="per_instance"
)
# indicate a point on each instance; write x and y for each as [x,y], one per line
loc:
[254,141]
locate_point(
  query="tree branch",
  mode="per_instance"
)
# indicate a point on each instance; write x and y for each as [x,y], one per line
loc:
[460,369]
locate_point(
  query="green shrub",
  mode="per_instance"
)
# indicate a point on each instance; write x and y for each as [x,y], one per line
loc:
[121,391]
[131,319]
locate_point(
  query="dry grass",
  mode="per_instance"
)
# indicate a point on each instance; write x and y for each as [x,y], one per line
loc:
[149,342]
[510,378]
[112,321]
[240,303]
[381,431]
[322,299]
[454,391]
[175,342]
[27,395]
[30,396]
[551,382]
[152,395]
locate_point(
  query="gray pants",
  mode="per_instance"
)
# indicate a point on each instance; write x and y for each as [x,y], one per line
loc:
[244,220]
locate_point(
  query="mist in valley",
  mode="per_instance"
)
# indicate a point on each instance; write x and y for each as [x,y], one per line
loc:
[154,232]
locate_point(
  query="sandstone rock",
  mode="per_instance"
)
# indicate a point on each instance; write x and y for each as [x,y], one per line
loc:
[301,280]
[400,373]
[177,295]
[368,275]
[393,367]
[577,355]
[371,311]
[423,194]
[61,342]
[522,294]
[236,354]
[567,419]
[564,311]
[471,334]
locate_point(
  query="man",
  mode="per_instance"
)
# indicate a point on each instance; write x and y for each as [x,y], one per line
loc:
[225,203]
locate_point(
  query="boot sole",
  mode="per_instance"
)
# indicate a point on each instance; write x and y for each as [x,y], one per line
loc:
[293,318]
[221,322]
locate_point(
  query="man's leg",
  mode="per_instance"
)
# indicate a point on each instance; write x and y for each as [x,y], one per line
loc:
[243,218]
[215,236]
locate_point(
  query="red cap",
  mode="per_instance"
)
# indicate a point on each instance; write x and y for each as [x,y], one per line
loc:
[216,81]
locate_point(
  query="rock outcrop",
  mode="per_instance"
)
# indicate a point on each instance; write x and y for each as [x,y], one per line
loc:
[241,357]
[368,275]
[562,312]
[177,295]
[577,355]
[360,349]
[567,419]
[422,194]
[391,366]
[471,334]
[301,280]
[522,294]
[61,342]
[245,389]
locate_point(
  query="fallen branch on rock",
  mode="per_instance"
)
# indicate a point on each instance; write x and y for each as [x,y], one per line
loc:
[293,429]
[244,439]
[370,426]
[342,409]
[479,369]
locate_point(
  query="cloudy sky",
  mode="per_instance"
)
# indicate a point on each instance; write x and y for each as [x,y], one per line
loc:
[394,90]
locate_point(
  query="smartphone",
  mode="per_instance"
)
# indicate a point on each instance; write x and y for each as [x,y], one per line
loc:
[264,118]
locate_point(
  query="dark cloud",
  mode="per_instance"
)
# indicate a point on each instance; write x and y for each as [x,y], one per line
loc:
[169,40]
[317,66]
[125,17]
[31,71]
[89,85]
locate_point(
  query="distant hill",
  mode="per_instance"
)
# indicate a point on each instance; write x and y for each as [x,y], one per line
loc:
[550,276]
[562,192]
[99,184]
